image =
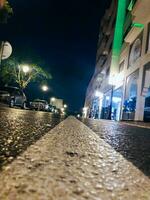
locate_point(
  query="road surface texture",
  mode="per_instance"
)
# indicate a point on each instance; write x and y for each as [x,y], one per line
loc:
[21,128]
[130,141]
[71,162]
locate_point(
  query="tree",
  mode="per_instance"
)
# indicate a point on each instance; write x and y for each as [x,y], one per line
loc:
[21,74]
[5,11]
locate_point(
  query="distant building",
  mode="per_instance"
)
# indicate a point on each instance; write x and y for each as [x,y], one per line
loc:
[58,103]
[128,98]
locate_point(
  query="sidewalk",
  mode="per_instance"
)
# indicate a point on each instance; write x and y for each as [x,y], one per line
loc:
[132,123]
[72,163]
[137,123]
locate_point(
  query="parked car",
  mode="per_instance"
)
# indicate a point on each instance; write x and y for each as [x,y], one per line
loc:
[13,96]
[40,105]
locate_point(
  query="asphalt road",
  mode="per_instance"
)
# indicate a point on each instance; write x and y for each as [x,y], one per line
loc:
[130,141]
[71,162]
[21,128]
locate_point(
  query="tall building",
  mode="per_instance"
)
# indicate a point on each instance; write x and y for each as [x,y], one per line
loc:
[126,96]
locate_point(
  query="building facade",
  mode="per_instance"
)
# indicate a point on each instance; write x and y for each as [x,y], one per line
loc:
[128,97]
[58,103]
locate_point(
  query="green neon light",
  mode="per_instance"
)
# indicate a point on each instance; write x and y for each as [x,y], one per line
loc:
[138,25]
[118,37]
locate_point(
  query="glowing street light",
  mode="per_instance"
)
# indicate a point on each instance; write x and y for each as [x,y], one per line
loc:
[53,99]
[45,88]
[25,68]
[84,112]
[65,106]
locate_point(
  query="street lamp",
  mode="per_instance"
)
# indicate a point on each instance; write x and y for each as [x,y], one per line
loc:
[84,112]
[53,99]
[45,88]
[65,106]
[25,68]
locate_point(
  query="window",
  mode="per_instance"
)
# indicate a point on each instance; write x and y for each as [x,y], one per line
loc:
[135,51]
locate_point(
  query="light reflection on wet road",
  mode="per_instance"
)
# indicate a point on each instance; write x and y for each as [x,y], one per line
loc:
[21,128]
[130,141]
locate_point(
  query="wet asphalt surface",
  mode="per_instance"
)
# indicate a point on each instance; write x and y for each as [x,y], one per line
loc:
[21,128]
[130,141]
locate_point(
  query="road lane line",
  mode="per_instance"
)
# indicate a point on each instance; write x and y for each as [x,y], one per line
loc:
[72,163]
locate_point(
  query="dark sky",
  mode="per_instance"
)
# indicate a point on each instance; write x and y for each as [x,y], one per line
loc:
[63,36]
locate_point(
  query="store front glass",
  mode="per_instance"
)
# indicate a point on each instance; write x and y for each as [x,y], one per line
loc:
[94,113]
[131,97]
[147,107]
[116,104]
[146,91]
[106,106]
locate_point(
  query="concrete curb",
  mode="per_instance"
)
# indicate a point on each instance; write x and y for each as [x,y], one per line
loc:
[72,163]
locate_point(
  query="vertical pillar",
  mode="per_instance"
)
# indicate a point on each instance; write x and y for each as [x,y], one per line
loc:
[140,104]
[139,115]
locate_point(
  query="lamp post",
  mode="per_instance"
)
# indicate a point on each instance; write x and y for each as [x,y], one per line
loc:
[84,112]
[25,69]
[65,106]
[53,99]
[44,89]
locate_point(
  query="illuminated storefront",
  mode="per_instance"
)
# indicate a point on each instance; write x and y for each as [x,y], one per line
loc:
[125,64]
[130,100]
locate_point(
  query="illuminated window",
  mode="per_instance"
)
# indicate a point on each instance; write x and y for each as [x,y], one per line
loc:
[135,51]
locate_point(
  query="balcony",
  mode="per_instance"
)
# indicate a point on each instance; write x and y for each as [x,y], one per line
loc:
[141,11]
[132,34]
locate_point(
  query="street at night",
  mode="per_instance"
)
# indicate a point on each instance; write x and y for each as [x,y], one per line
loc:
[75,100]
[130,141]
[72,162]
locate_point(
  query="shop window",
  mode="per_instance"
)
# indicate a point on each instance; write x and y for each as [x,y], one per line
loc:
[146,91]
[135,51]
[116,104]
[147,107]
[131,97]
[106,105]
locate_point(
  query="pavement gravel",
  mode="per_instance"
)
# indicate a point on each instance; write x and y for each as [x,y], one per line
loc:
[71,162]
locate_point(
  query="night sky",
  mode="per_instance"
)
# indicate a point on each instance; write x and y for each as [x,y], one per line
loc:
[62,37]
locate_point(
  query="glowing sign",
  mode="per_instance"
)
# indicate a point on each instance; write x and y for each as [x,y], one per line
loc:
[118,39]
